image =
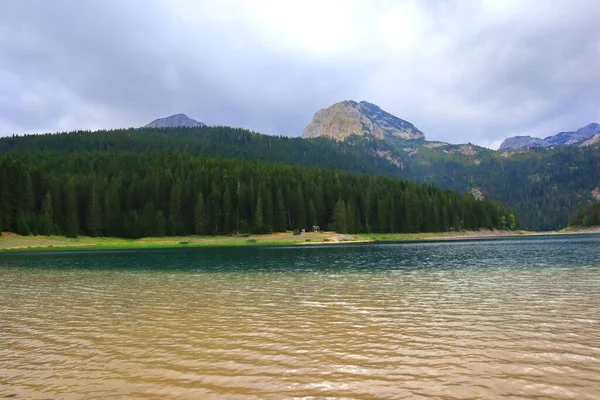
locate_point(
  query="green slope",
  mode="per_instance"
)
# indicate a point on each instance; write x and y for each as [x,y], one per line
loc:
[543,185]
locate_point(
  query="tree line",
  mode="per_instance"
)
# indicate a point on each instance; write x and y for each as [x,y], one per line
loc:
[588,215]
[543,185]
[170,193]
[212,141]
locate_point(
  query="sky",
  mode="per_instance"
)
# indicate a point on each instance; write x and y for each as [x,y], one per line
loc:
[462,71]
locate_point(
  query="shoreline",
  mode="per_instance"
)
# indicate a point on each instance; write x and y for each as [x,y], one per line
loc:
[10,242]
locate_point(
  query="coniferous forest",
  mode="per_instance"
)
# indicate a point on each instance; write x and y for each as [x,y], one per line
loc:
[171,192]
[543,185]
[588,215]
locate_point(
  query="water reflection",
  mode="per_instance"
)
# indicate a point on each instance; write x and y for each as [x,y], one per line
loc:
[509,318]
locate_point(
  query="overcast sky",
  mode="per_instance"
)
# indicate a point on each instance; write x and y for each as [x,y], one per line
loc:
[461,71]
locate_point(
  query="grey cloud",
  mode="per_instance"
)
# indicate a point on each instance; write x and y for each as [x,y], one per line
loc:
[91,64]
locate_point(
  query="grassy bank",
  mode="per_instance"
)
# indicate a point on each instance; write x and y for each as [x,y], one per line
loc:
[13,242]
[580,229]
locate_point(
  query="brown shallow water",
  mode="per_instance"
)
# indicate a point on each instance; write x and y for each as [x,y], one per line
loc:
[485,319]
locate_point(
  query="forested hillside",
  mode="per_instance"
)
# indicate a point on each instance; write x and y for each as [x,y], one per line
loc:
[543,185]
[223,142]
[164,192]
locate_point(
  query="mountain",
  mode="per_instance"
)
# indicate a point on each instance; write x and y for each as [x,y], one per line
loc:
[347,118]
[388,137]
[544,181]
[173,121]
[544,185]
[560,139]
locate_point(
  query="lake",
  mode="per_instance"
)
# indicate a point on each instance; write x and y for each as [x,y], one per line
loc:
[500,318]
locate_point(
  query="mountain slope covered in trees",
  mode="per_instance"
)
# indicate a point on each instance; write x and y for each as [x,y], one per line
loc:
[211,141]
[543,185]
[165,192]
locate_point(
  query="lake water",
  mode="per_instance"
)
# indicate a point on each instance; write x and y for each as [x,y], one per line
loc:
[503,318]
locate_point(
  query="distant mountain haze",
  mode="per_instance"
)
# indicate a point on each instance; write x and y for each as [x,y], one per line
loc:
[578,137]
[348,118]
[174,121]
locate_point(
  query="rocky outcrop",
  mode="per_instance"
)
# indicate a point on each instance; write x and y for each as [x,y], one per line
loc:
[596,193]
[173,121]
[520,142]
[348,118]
[477,193]
[591,141]
[577,137]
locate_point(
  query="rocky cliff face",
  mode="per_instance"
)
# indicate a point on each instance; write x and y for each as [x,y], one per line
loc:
[591,141]
[351,118]
[173,121]
[560,139]
[521,142]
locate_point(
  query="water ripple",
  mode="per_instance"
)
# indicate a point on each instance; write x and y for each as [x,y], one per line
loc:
[462,320]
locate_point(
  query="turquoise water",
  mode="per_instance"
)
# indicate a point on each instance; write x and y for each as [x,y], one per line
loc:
[498,318]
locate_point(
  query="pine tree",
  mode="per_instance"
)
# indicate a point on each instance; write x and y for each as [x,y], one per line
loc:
[94,214]
[147,221]
[27,198]
[228,212]
[214,212]
[351,217]
[281,215]
[383,216]
[300,212]
[312,213]
[512,222]
[503,225]
[268,211]
[258,217]
[72,211]
[175,222]
[23,224]
[445,220]
[47,210]
[161,224]
[200,216]
[339,223]
[6,199]
[47,216]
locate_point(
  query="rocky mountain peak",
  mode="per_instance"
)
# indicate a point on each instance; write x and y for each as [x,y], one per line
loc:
[520,142]
[560,139]
[173,121]
[348,118]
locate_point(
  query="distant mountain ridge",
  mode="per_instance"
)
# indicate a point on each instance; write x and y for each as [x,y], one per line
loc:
[348,118]
[544,186]
[174,121]
[578,137]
